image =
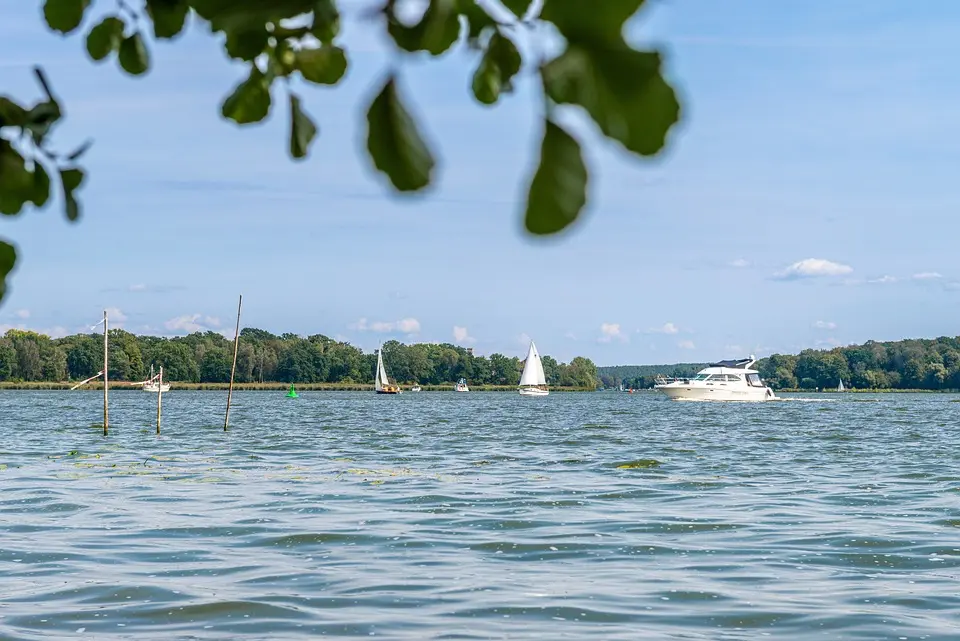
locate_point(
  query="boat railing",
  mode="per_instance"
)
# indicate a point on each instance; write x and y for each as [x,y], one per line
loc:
[666,380]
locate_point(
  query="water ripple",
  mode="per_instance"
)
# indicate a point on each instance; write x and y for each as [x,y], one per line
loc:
[479,516]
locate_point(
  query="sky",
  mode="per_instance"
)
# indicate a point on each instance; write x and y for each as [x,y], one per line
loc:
[808,199]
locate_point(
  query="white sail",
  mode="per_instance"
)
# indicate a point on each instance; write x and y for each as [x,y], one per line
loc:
[533,368]
[381,376]
[840,386]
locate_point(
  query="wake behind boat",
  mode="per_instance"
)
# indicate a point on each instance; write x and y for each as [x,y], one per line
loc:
[723,381]
[532,381]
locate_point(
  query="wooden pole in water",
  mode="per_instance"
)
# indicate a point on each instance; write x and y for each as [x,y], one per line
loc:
[159,397]
[233,370]
[106,384]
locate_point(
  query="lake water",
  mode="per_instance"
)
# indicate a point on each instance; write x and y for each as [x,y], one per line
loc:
[479,516]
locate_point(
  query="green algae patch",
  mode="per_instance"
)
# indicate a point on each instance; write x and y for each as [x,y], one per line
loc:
[640,464]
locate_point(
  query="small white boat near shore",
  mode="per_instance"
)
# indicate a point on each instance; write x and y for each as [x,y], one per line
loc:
[722,381]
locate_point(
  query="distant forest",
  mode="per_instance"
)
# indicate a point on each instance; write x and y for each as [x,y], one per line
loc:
[206,357]
[928,364]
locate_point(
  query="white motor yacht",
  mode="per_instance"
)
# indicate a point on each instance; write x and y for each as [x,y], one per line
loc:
[723,381]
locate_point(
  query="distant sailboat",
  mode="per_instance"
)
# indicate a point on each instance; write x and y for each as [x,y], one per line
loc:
[461,386]
[532,381]
[840,387]
[153,385]
[381,382]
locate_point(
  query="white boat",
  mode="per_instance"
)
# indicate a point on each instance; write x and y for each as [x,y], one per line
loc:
[840,387]
[381,383]
[415,388]
[153,385]
[533,382]
[723,381]
[461,386]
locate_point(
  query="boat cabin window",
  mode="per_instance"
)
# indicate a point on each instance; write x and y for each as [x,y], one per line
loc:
[733,378]
[701,377]
[754,380]
[717,377]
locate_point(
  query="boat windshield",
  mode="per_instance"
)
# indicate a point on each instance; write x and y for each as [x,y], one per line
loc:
[701,377]
[754,380]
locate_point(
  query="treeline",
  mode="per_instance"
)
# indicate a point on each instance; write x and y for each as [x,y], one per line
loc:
[206,357]
[642,376]
[927,364]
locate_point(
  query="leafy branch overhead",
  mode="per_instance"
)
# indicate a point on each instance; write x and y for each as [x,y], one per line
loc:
[620,88]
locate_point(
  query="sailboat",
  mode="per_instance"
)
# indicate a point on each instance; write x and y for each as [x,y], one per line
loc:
[461,386]
[532,381]
[153,385]
[840,387]
[381,382]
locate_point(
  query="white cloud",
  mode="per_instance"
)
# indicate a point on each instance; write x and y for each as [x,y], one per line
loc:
[824,325]
[884,280]
[408,326]
[668,328]
[813,268]
[927,276]
[740,262]
[115,316]
[611,331]
[190,323]
[686,345]
[139,287]
[22,313]
[461,335]
[403,326]
[53,332]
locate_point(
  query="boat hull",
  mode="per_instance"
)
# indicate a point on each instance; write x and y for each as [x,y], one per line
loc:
[683,392]
[384,391]
[533,391]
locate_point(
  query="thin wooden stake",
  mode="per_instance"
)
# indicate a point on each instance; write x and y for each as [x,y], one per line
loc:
[233,370]
[159,397]
[106,383]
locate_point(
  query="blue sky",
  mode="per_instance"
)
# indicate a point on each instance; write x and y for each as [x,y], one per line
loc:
[808,199]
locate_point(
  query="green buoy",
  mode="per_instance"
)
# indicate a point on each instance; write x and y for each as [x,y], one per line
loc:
[292,393]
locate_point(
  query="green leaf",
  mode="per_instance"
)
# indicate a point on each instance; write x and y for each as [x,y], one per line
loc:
[134,57]
[250,100]
[324,66]
[41,185]
[558,190]
[601,24]
[11,114]
[246,44]
[64,15]
[500,63]
[238,15]
[8,258]
[41,118]
[396,147]
[70,180]
[302,129]
[16,182]
[436,32]
[478,20]
[621,89]
[519,8]
[169,16]
[326,21]
[105,38]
